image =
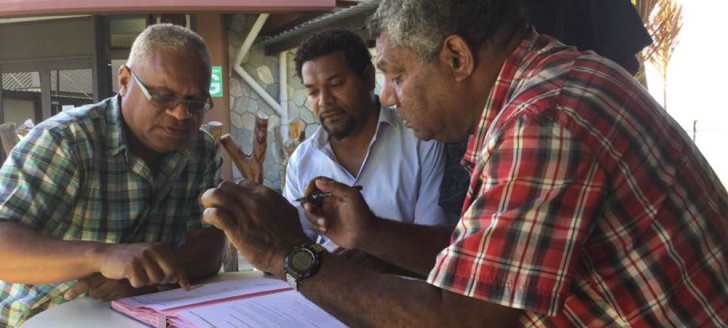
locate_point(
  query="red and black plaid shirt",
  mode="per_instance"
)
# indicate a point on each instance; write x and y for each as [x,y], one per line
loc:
[588,204]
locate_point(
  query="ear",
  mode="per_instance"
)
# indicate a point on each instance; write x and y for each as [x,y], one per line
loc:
[457,55]
[369,77]
[123,81]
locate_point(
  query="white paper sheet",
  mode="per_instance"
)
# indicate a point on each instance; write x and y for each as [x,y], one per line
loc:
[288,309]
[205,293]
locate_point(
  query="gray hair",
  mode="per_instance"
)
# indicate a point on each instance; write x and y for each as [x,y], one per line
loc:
[423,25]
[170,36]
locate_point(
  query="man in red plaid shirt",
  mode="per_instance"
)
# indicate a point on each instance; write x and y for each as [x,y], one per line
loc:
[588,205]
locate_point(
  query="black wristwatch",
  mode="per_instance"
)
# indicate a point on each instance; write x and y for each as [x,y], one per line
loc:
[302,262]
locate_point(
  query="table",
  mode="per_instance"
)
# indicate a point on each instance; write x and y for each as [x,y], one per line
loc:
[87,312]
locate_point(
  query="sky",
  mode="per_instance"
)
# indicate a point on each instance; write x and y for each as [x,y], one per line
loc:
[697,79]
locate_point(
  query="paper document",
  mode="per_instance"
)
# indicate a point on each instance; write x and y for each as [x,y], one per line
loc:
[287,309]
[250,302]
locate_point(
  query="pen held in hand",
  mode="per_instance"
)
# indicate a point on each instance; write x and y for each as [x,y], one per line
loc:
[318,196]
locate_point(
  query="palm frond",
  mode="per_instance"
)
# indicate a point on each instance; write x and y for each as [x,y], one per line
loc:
[663,20]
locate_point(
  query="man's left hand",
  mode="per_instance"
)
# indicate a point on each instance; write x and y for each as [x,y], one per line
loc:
[261,224]
[101,288]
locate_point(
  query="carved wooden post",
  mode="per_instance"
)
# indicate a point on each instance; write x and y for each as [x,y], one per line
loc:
[296,135]
[251,168]
[9,139]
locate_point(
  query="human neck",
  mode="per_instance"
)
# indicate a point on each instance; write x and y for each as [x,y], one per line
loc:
[152,158]
[490,62]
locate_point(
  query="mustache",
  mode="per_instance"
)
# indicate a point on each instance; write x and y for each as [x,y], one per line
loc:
[329,111]
[177,125]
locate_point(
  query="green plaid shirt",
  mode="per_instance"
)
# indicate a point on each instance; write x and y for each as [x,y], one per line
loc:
[72,178]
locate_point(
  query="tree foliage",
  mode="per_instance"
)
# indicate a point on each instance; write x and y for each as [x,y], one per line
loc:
[663,20]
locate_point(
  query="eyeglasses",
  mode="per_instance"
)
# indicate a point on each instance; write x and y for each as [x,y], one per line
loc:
[193,107]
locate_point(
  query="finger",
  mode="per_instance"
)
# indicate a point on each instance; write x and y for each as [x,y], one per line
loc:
[77,290]
[110,290]
[103,291]
[137,276]
[311,186]
[164,265]
[225,193]
[316,222]
[184,280]
[206,200]
[220,218]
[85,285]
[322,230]
[153,264]
[337,189]
[231,198]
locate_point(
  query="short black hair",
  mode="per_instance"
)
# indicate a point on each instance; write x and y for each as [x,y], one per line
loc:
[356,53]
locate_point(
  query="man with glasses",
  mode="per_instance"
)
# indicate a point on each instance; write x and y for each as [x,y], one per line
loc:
[103,199]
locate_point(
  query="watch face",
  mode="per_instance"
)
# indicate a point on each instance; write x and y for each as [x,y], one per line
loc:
[301,260]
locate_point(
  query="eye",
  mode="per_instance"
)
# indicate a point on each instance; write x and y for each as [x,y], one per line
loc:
[396,79]
[312,92]
[163,96]
[164,99]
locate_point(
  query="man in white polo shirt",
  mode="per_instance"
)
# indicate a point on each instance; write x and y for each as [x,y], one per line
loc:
[359,141]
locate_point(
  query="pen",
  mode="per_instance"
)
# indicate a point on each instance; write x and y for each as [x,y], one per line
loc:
[320,195]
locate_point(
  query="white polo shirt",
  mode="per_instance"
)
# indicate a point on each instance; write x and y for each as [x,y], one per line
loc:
[400,174]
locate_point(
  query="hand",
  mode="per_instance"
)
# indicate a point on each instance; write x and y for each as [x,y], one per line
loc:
[101,288]
[344,218]
[261,224]
[142,264]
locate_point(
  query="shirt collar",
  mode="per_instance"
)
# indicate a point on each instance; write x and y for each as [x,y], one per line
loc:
[115,136]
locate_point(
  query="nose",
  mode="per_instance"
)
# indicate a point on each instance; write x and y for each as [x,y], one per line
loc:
[325,97]
[387,96]
[179,112]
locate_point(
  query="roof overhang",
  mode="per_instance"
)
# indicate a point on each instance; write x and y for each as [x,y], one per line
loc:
[353,18]
[24,8]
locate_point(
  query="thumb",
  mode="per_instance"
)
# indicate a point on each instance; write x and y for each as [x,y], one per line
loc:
[338,190]
[78,289]
[219,218]
[327,185]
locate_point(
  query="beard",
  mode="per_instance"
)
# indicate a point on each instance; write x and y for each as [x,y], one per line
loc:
[340,131]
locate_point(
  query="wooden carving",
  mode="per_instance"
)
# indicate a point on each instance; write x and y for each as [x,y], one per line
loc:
[296,135]
[250,167]
[9,138]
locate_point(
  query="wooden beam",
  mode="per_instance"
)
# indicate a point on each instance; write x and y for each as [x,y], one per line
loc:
[24,8]
[346,3]
[278,23]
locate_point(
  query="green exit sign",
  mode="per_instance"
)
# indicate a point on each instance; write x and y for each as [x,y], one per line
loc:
[216,82]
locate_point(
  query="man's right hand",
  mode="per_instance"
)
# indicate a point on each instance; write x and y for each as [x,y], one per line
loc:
[142,264]
[344,218]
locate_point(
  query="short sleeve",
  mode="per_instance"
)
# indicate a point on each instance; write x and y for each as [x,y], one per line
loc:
[518,242]
[39,181]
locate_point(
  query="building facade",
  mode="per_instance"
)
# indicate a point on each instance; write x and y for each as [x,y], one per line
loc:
[62,55]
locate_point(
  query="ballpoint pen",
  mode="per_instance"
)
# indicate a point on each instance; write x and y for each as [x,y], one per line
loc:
[320,195]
